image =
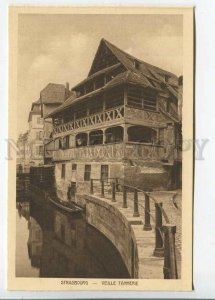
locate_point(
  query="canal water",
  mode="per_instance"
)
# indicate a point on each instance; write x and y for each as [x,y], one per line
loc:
[55,244]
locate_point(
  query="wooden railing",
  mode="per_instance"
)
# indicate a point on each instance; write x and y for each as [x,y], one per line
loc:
[164,234]
[112,152]
[144,151]
[92,120]
[101,152]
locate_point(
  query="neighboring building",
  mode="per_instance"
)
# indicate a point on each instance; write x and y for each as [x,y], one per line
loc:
[40,129]
[122,123]
[52,96]
[35,136]
[22,154]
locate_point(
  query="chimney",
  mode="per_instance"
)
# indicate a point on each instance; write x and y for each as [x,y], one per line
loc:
[180,96]
[180,80]
[67,91]
[67,86]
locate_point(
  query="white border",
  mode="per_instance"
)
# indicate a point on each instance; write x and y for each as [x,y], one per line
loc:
[204,206]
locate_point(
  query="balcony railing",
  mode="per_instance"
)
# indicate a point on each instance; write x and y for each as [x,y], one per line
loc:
[144,151]
[92,120]
[108,152]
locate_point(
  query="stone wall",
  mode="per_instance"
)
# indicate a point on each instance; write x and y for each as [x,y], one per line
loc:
[142,174]
[82,187]
[109,221]
[147,175]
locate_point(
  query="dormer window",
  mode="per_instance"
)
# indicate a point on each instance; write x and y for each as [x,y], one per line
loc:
[136,64]
[99,82]
[89,87]
[166,78]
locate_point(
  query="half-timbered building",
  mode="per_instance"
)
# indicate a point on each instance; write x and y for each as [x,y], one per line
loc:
[124,121]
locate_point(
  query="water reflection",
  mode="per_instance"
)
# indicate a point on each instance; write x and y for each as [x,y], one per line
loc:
[59,245]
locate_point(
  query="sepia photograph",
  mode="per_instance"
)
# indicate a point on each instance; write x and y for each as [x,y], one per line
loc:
[101,103]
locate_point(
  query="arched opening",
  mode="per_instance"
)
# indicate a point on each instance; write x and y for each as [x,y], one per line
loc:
[114,135]
[81,139]
[142,134]
[96,137]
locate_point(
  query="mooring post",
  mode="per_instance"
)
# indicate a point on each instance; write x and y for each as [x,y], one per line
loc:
[136,206]
[113,191]
[102,189]
[159,250]
[147,224]
[170,263]
[124,193]
[91,186]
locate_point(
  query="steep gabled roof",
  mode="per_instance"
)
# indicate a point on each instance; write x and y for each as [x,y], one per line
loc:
[35,109]
[129,62]
[53,93]
[94,75]
[138,72]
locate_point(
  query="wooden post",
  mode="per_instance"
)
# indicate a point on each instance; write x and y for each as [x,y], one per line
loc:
[102,188]
[113,191]
[170,264]
[147,225]
[159,250]
[136,208]
[117,184]
[124,192]
[91,186]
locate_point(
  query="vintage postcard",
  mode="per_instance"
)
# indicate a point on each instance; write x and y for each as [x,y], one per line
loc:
[100,183]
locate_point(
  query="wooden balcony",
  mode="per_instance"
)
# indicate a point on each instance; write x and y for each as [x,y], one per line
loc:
[144,151]
[109,152]
[144,117]
[129,114]
[107,116]
[88,153]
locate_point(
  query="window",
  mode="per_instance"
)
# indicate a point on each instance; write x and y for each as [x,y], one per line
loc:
[87,172]
[141,134]
[96,137]
[40,150]
[149,102]
[95,105]
[138,98]
[74,167]
[104,172]
[63,171]
[80,111]
[40,135]
[135,97]
[114,135]
[114,98]
[65,141]
[39,120]
[74,171]
[81,139]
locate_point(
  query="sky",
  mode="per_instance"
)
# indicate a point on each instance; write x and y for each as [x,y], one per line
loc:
[60,48]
